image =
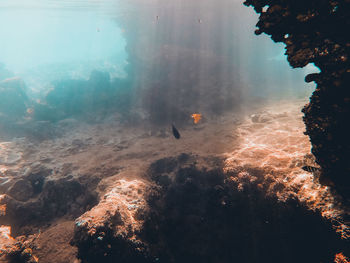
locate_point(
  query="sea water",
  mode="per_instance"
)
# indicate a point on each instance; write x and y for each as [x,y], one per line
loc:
[46,40]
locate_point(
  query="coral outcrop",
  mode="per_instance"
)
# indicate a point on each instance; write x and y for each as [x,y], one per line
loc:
[204,214]
[107,233]
[39,199]
[196,211]
[316,31]
[19,250]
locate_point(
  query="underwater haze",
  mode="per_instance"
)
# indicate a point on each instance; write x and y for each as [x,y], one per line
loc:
[43,41]
[155,131]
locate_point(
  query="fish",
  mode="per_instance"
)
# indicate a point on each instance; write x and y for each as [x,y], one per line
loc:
[310,169]
[175,132]
[196,117]
[30,110]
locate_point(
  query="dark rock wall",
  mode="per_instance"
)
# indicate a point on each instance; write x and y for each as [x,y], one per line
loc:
[204,215]
[196,212]
[316,31]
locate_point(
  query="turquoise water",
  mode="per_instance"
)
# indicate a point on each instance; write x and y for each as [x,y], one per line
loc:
[173,57]
[45,40]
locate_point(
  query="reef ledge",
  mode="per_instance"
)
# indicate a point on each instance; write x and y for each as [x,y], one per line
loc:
[315,31]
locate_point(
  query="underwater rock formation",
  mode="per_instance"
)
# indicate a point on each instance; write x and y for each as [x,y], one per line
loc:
[17,251]
[196,212]
[107,233]
[17,110]
[168,203]
[39,199]
[87,100]
[316,31]
[206,215]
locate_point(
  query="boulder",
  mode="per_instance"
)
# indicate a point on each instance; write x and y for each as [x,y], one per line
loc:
[108,232]
[22,190]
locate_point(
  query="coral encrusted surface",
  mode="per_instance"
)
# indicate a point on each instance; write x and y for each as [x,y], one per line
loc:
[316,31]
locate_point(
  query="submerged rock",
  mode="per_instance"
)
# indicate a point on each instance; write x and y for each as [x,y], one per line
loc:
[22,190]
[38,200]
[108,232]
[317,32]
[207,215]
[196,212]
[88,100]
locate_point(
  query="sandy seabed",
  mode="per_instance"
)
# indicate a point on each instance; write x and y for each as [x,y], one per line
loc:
[108,162]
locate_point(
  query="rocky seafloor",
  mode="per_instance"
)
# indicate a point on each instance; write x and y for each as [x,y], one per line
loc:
[232,189]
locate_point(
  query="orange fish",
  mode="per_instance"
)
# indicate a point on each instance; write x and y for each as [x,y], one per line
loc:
[196,117]
[30,110]
[340,258]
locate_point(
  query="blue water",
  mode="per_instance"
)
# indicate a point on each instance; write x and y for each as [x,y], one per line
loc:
[173,55]
[45,40]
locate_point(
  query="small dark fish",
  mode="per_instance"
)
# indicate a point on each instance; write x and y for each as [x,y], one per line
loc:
[176,132]
[310,169]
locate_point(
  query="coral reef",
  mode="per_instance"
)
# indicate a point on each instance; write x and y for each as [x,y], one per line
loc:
[317,32]
[108,231]
[19,250]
